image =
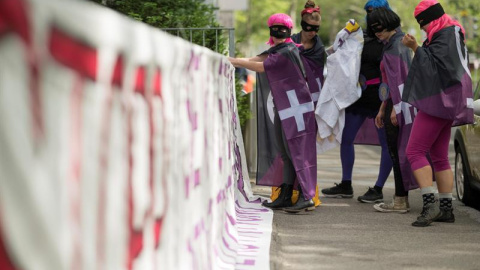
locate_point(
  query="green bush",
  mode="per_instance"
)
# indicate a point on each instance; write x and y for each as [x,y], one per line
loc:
[243,104]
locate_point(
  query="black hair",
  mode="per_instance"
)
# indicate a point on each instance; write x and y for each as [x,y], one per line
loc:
[384,17]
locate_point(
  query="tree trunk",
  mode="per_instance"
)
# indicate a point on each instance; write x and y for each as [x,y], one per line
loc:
[248,27]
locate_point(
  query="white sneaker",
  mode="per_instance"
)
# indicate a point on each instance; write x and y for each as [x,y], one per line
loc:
[397,205]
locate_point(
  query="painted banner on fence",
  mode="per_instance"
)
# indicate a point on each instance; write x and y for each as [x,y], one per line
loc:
[120,147]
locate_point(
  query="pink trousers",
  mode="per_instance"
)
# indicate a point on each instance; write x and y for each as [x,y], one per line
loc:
[429,134]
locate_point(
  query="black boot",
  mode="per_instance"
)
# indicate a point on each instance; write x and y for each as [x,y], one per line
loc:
[284,198]
[446,215]
[301,204]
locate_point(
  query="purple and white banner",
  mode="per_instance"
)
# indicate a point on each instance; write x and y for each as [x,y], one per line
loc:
[120,147]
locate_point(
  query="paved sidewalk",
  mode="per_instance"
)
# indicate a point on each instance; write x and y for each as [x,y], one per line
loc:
[347,234]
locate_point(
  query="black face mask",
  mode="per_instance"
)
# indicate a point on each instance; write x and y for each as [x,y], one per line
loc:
[430,14]
[309,27]
[377,28]
[280,31]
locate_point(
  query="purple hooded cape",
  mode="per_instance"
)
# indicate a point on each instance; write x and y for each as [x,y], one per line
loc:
[284,80]
[439,82]
[396,61]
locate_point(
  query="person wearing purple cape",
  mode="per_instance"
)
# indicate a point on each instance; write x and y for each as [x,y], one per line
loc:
[439,85]
[356,119]
[397,117]
[290,120]
[313,58]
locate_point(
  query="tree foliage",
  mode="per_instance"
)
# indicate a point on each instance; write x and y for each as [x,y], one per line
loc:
[252,31]
[175,14]
[182,14]
[468,13]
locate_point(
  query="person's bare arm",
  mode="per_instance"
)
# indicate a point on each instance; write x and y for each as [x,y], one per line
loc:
[253,63]
[257,58]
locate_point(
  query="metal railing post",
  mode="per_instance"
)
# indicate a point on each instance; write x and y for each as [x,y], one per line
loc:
[216,40]
[231,42]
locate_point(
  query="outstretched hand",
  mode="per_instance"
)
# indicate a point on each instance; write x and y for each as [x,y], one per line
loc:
[233,61]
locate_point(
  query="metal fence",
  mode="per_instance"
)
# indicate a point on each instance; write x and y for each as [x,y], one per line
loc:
[182,32]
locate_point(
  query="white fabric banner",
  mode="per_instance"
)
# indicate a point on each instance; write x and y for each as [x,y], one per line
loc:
[120,147]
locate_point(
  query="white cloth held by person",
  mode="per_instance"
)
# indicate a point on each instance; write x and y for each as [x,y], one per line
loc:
[341,87]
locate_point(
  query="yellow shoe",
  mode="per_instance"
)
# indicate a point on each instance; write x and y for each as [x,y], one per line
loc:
[276,192]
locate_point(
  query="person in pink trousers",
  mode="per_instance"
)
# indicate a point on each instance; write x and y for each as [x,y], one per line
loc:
[439,86]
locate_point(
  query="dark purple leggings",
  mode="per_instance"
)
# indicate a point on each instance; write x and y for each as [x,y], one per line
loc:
[353,122]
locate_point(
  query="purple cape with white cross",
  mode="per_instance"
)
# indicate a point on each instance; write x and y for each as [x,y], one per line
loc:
[285,83]
[439,82]
[396,61]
